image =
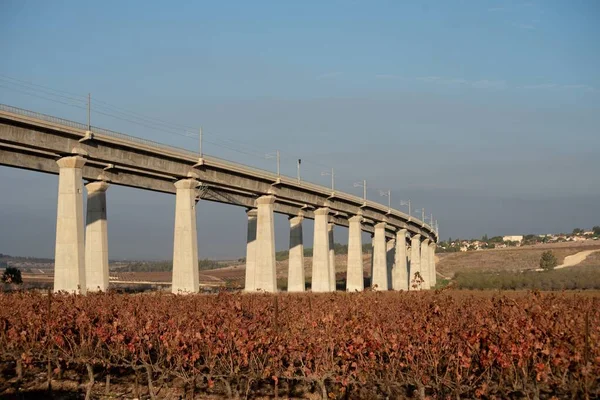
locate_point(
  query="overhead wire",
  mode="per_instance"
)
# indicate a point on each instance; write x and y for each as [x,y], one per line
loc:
[6,77]
[104,108]
[137,118]
[42,97]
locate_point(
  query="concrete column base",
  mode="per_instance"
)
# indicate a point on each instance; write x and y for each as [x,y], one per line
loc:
[425,264]
[265,272]
[96,238]
[432,270]
[332,283]
[380,276]
[185,242]
[249,283]
[69,252]
[400,279]
[320,268]
[355,273]
[296,279]
[390,258]
[372,258]
[415,263]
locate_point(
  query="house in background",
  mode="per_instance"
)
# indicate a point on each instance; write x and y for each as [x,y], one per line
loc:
[513,238]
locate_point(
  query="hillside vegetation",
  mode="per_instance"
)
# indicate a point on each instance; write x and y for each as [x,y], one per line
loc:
[509,259]
[578,278]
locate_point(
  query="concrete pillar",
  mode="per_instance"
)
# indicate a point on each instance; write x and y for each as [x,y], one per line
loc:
[400,271]
[355,273]
[185,239]
[69,256]
[379,281]
[320,268]
[432,271]
[332,285]
[390,252]
[372,252]
[296,277]
[249,283]
[425,264]
[96,238]
[265,272]
[415,261]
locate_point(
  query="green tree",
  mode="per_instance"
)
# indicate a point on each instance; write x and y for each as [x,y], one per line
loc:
[12,275]
[577,231]
[207,264]
[596,230]
[530,239]
[484,238]
[548,261]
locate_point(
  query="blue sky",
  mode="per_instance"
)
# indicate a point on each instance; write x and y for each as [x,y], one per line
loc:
[484,112]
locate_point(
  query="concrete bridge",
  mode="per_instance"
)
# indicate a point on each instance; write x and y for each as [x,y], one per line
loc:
[403,247]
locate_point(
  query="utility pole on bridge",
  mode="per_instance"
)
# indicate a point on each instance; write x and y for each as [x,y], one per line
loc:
[325,173]
[406,203]
[364,186]
[89,110]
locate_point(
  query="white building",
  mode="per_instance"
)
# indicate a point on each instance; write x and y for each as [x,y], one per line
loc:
[513,238]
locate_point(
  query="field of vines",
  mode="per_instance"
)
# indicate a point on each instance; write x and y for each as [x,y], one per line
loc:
[435,345]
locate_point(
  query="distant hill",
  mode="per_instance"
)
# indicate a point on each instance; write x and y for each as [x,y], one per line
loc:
[25,263]
[7,257]
[163,266]
[508,259]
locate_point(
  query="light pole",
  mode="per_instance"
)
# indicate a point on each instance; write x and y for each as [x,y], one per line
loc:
[299,162]
[89,110]
[332,173]
[364,186]
[422,210]
[276,155]
[406,203]
[387,194]
[200,133]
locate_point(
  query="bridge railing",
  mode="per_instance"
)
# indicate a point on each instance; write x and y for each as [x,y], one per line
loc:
[48,118]
[95,129]
[194,155]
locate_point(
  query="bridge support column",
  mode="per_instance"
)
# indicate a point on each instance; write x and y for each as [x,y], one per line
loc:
[320,268]
[96,238]
[69,256]
[415,262]
[400,279]
[355,274]
[249,283]
[296,280]
[372,256]
[265,273]
[332,283]
[425,264]
[432,270]
[185,244]
[389,255]
[379,280]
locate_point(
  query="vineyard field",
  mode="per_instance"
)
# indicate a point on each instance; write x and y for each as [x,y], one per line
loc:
[436,345]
